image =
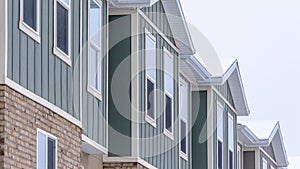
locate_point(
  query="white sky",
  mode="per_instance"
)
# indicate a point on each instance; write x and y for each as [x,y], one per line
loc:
[264,35]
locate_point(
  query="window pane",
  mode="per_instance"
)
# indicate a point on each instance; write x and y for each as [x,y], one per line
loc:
[30,13]
[230,133]
[62,28]
[95,23]
[169,81]
[42,149]
[184,102]
[220,155]
[150,99]
[151,58]
[265,164]
[93,68]
[183,137]
[230,160]
[168,113]
[51,153]
[67,2]
[220,122]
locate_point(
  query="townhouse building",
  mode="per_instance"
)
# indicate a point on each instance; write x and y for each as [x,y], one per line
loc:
[109,84]
[261,146]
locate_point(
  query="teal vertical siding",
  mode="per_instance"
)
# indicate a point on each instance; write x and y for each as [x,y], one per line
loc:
[226,93]
[119,118]
[156,148]
[93,109]
[199,130]
[33,65]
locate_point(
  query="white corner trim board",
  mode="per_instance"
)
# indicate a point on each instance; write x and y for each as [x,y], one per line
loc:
[43,102]
[128,160]
[3,41]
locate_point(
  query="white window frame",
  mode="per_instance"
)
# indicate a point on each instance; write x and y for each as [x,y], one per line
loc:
[230,148]
[166,131]
[148,118]
[182,154]
[34,34]
[91,89]
[272,167]
[48,135]
[56,51]
[265,162]
[219,138]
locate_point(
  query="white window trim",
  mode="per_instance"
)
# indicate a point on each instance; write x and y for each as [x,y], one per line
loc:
[56,51]
[166,131]
[265,162]
[149,119]
[34,34]
[56,148]
[221,140]
[239,157]
[182,154]
[92,90]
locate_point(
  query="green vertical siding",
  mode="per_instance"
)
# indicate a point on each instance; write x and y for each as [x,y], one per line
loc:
[93,109]
[199,130]
[156,148]
[119,118]
[33,65]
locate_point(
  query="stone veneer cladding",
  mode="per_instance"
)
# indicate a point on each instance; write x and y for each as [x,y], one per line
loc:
[19,119]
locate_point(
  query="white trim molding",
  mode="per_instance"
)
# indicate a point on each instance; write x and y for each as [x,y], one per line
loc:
[3,41]
[34,34]
[56,51]
[43,102]
[91,147]
[128,160]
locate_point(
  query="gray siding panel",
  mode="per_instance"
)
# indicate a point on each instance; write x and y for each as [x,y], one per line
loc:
[156,148]
[33,65]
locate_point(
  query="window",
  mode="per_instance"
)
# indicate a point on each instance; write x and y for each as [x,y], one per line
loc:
[265,164]
[30,18]
[220,154]
[169,90]
[272,167]
[230,141]
[46,150]
[220,130]
[95,61]
[62,29]
[184,108]
[150,54]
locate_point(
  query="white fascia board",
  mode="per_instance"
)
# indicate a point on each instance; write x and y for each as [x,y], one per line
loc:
[132,3]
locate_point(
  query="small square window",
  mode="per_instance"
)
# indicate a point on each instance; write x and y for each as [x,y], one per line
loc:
[46,150]
[29,18]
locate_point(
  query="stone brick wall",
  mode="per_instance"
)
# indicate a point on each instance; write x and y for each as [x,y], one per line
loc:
[123,166]
[19,119]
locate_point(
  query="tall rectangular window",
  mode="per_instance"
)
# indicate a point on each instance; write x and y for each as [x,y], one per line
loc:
[30,18]
[265,164]
[150,54]
[230,141]
[220,131]
[62,29]
[46,151]
[95,61]
[169,92]
[184,108]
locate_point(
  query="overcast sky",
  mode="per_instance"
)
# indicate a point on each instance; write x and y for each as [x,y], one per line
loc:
[264,35]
